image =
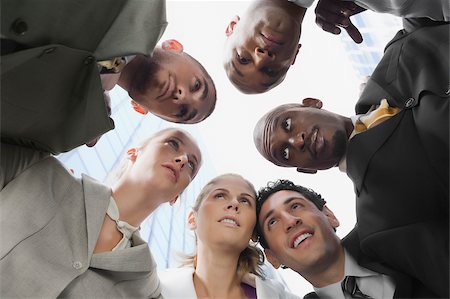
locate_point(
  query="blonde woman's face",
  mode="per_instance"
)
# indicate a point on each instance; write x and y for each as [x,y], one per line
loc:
[227,215]
[168,163]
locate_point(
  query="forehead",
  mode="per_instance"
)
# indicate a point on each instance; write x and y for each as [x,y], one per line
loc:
[278,201]
[233,184]
[186,139]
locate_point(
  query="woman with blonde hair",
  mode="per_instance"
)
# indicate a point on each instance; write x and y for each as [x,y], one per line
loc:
[225,265]
[69,237]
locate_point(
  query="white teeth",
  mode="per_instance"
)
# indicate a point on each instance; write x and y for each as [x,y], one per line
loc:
[301,238]
[230,221]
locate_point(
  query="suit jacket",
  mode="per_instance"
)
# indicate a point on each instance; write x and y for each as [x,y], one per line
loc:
[52,97]
[405,286]
[49,223]
[177,283]
[400,167]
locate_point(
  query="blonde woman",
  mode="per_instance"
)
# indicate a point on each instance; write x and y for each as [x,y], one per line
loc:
[225,265]
[69,237]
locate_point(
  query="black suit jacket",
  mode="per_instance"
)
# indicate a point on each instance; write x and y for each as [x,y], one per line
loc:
[405,286]
[400,167]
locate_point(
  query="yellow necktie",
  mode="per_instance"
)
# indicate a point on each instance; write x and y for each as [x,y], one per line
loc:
[115,65]
[375,117]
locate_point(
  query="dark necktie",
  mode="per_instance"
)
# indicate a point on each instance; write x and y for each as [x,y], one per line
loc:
[349,286]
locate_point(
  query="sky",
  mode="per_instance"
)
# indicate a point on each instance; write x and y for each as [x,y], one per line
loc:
[322,70]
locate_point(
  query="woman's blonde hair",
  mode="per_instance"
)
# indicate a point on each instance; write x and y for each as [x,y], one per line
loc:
[251,258]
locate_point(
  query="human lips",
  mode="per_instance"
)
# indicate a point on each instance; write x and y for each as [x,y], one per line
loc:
[299,238]
[168,89]
[271,42]
[174,171]
[316,142]
[230,221]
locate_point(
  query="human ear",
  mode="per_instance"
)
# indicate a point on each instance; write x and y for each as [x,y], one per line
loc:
[172,45]
[296,53]
[230,28]
[272,259]
[173,201]
[191,220]
[331,217]
[306,170]
[138,108]
[132,154]
[312,102]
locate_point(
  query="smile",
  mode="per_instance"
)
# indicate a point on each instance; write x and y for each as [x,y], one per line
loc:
[300,239]
[230,221]
[316,142]
[168,90]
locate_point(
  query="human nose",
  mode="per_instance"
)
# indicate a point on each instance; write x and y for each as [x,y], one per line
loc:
[180,93]
[291,221]
[181,160]
[298,141]
[233,205]
[262,56]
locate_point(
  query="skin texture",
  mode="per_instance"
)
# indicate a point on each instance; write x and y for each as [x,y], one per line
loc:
[155,173]
[170,84]
[285,216]
[262,45]
[219,243]
[302,136]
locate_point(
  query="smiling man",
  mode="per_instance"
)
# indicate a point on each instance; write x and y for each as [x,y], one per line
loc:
[297,230]
[263,44]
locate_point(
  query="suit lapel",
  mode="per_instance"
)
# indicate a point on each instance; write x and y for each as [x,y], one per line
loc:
[96,198]
[363,146]
[403,284]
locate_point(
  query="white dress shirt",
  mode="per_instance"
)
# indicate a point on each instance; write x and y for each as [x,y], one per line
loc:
[371,283]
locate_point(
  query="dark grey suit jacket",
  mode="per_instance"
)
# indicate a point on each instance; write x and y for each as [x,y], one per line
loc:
[51,95]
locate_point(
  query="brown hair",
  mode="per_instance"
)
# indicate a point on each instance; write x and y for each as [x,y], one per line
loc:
[251,258]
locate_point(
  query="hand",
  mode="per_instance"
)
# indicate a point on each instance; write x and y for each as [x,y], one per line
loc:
[332,14]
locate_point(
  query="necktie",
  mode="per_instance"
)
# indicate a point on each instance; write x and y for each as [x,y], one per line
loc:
[349,286]
[375,117]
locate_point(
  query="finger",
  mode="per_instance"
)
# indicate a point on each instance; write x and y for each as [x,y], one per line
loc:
[354,33]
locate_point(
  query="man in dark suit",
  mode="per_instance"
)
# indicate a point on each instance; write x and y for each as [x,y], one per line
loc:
[399,166]
[58,57]
[297,230]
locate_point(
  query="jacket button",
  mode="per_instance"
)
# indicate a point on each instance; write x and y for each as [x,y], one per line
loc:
[88,60]
[77,265]
[410,102]
[19,27]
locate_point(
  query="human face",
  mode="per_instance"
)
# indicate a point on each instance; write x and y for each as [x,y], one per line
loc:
[167,164]
[261,47]
[296,136]
[227,215]
[299,235]
[180,91]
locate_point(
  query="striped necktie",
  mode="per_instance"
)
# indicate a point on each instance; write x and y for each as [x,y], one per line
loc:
[349,286]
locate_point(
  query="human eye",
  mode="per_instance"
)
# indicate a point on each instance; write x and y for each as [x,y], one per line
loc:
[192,166]
[245,200]
[296,206]
[271,223]
[287,124]
[220,195]
[197,85]
[241,59]
[174,143]
[285,154]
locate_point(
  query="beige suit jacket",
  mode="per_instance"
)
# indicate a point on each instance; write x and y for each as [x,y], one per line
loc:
[49,225]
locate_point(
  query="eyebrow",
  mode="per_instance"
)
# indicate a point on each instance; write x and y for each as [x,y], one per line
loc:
[236,69]
[286,202]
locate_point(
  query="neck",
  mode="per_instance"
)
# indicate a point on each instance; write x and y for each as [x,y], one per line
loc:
[127,73]
[327,273]
[133,204]
[216,273]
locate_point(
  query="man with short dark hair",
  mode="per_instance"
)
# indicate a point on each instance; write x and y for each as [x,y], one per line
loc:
[297,230]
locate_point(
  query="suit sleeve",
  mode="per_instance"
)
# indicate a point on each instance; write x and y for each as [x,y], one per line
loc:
[15,160]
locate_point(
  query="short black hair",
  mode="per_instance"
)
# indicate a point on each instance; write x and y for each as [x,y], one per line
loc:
[279,185]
